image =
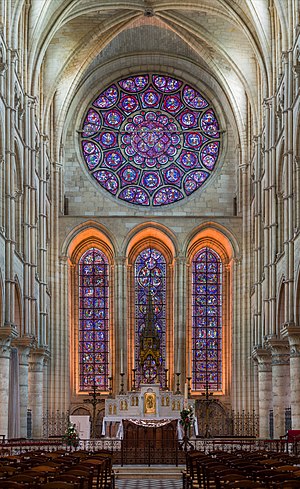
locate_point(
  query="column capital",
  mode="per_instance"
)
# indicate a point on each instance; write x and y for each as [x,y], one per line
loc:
[36,359]
[263,358]
[279,348]
[24,345]
[7,334]
[292,333]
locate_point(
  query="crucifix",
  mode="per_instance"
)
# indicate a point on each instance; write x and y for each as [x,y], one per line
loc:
[94,400]
[208,401]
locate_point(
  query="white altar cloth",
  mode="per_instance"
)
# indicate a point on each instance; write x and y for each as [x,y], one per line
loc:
[119,419]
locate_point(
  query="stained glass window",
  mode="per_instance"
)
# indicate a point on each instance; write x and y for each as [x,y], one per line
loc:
[150,316]
[93,320]
[207,320]
[150,140]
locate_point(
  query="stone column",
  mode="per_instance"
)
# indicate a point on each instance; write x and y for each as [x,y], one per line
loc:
[182,328]
[293,335]
[35,391]
[23,345]
[121,343]
[6,334]
[280,382]
[263,358]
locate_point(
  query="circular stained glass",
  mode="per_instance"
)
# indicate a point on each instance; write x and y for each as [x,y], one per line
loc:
[150,140]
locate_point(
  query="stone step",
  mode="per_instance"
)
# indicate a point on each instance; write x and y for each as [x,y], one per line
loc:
[146,472]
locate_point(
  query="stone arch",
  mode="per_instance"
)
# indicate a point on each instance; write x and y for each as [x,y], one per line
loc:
[150,235]
[18,312]
[79,241]
[297,298]
[18,185]
[216,239]
[280,306]
[281,192]
[1,300]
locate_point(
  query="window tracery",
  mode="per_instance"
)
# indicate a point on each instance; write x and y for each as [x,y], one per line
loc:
[150,316]
[207,320]
[93,320]
[150,140]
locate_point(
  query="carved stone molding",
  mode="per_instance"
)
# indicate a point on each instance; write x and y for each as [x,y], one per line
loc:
[279,350]
[24,345]
[292,333]
[36,360]
[263,358]
[7,334]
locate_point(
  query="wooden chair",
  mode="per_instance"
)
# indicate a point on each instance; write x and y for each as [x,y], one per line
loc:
[72,479]
[288,484]
[220,476]
[99,466]
[233,477]
[244,484]
[11,485]
[58,485]
[84,472]
[31,481]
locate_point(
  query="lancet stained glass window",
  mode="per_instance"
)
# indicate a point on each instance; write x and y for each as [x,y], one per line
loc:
[93,320]
[207,320]
[150,139]
[150,317]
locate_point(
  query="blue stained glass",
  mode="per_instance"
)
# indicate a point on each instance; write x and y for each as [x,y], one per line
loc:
[93,320]
[150,140]
[150,316]
[207,320]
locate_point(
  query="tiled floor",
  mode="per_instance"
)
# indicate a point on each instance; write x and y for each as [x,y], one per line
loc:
[148,484]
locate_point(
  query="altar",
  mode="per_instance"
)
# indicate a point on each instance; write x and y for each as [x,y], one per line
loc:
[149,403]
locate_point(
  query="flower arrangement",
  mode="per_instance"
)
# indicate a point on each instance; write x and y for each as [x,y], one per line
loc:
[71,436]
[186,417]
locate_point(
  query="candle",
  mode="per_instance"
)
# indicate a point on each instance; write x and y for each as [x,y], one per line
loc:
[185,391]
[122,363]
[178,367]
[188,364]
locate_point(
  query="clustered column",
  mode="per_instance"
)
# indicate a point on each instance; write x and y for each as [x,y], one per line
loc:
[280,382]
[263,358]
[35,395]
[292,333]
[6,335]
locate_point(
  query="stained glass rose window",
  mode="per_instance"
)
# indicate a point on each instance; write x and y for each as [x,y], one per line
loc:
[150,140]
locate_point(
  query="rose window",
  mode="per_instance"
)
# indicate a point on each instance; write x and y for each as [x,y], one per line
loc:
[150,140]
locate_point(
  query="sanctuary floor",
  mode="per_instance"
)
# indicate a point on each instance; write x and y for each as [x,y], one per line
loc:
[148,484]
[144,477]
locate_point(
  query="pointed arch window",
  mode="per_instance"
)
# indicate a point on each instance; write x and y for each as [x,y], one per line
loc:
[150,316]
[207,320]
[93,320]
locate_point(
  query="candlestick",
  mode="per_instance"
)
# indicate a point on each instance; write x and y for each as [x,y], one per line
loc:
[122,383]
[178,391]
[166,380]
[189,386]
[133,388]
[110,387]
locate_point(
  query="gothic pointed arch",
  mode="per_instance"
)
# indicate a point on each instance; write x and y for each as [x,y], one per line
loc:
[280,306]
[208,346]
[91,261]
[150,261]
